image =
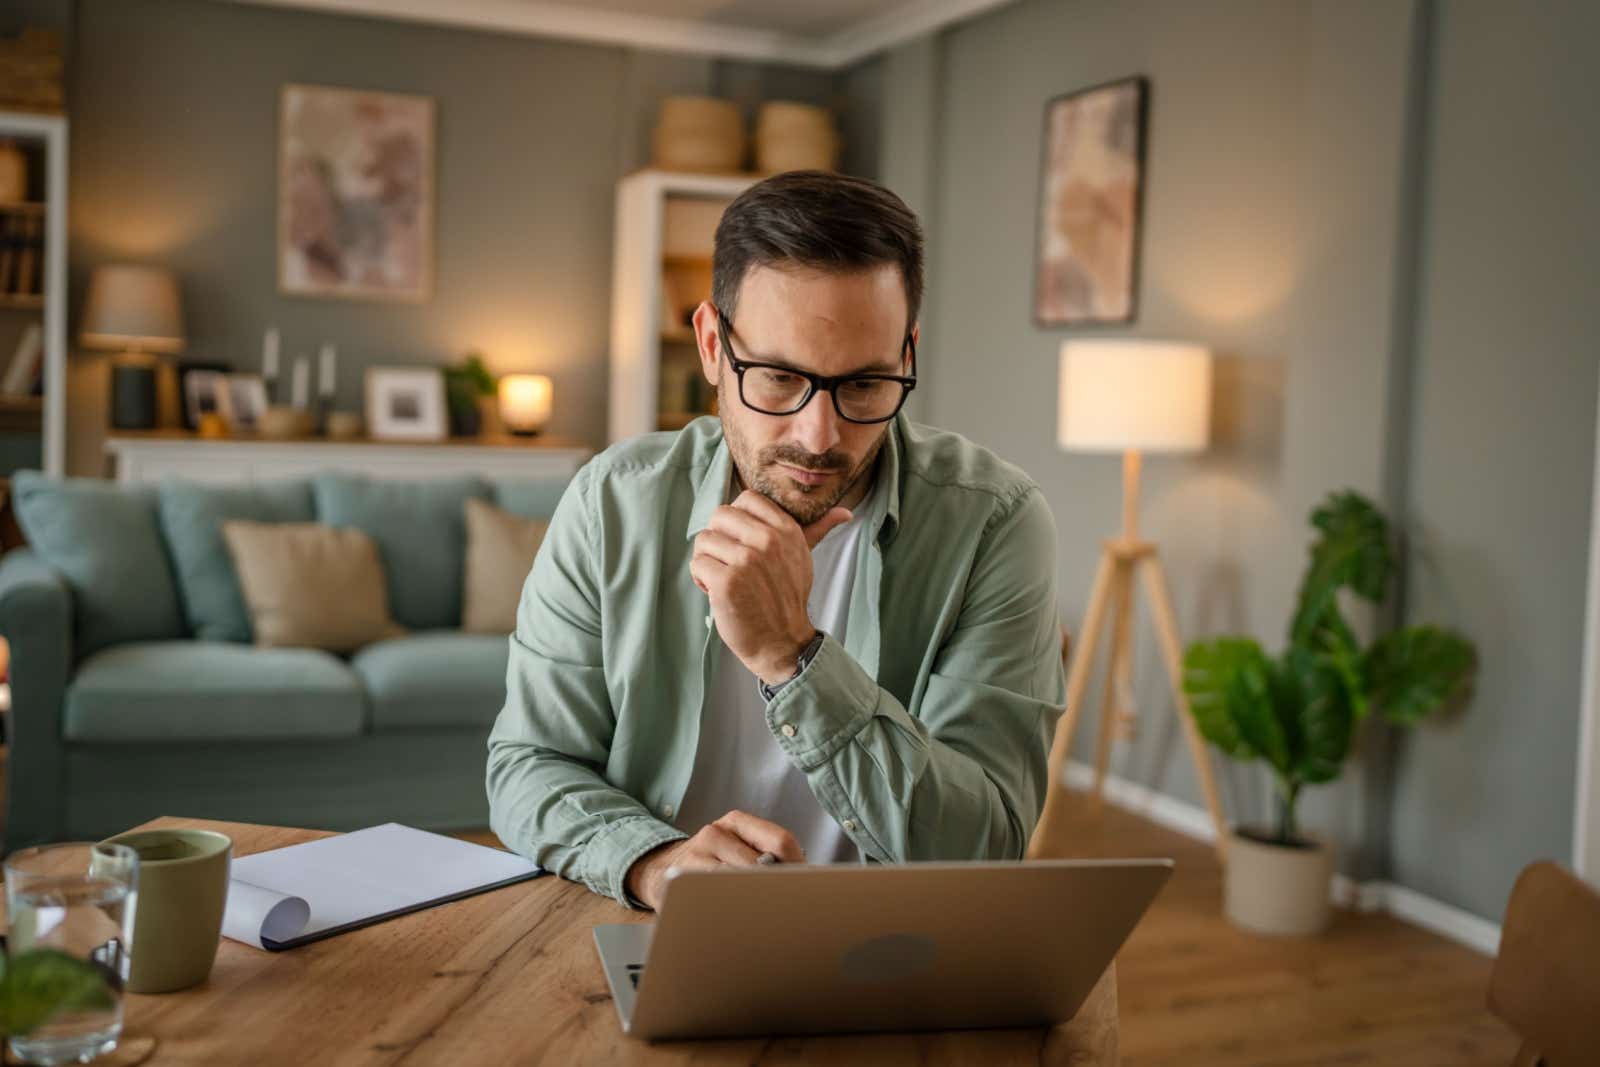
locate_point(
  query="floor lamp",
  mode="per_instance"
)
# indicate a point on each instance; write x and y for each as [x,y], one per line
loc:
[1130,397]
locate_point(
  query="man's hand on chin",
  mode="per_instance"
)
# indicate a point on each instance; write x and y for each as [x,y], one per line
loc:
[754,563]
[736,839]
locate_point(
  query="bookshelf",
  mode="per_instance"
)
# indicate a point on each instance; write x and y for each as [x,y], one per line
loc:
[33,296]
[660,271]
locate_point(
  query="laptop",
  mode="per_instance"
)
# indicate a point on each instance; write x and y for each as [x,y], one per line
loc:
[767,951]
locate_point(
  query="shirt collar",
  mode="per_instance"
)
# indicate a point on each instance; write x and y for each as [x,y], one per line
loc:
[882,503]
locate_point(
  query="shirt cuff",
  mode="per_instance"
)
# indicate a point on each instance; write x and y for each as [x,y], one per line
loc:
[616,848]
[819,710]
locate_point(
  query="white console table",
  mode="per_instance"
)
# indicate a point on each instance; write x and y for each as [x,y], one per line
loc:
[148,457]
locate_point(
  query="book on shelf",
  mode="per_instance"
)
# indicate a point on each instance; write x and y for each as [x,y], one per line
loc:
[30,255]
[25,371]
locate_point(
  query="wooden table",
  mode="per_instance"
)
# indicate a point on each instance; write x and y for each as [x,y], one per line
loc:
[509,976]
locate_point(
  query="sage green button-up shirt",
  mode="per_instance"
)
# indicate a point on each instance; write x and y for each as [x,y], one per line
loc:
[924,735]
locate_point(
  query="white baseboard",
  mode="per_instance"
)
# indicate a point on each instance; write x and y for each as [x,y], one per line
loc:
[1446,920]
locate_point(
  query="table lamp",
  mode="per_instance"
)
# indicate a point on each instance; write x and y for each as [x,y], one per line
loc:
[135,311]
[1132,397]
[525,401]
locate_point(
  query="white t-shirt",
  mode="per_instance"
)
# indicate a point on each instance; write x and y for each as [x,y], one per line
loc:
[738,764]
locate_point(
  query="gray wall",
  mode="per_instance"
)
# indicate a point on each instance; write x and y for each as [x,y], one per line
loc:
[174,154]
[1383,218]
[1273,199]
[1503,438]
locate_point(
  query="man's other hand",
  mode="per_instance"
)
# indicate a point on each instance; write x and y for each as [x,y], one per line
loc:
[735,840]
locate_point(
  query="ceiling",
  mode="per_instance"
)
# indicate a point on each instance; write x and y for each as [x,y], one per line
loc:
[817,33]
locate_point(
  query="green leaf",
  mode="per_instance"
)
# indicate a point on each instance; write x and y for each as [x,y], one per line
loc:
[1353,552]
[1228,683]
[1326,720]
[1415,671]
[41,983]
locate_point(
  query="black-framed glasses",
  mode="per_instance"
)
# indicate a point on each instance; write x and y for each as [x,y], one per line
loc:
[773,389]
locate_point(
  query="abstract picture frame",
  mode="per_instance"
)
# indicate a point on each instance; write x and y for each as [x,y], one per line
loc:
[1091,205]
[356,172]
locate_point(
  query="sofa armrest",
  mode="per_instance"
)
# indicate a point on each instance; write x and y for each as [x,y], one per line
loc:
[36,618]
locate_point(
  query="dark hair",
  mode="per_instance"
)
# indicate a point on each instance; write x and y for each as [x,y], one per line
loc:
[828,222]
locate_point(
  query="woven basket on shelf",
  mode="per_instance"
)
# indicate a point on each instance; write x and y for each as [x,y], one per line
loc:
[698,133]
[793,136]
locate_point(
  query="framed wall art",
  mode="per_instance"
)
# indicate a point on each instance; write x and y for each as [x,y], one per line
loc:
[355,194]
[1091,189]
[406,404]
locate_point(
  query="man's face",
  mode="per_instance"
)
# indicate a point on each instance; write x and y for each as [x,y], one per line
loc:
[829,324]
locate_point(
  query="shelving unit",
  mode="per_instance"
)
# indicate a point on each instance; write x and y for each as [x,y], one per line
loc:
[42,417]
[661,270]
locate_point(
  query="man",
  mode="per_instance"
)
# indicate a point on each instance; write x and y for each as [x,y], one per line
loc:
[806,627]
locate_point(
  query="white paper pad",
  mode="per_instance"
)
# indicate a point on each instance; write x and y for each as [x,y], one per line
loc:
[293,895]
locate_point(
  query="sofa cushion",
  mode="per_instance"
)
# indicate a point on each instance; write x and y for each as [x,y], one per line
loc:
[500,551]
[420,530]
[445,679]
[309,585]
[531,498]
[211,691]
[105,542]
[191,518]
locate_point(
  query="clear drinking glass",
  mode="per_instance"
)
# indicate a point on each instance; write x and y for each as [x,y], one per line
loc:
[78,898]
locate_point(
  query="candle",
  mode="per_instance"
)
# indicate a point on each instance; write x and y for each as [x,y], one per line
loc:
[302,381]
[325,376]
[269,355]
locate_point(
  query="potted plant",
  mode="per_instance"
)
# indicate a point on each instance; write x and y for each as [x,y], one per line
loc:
[1299,712]
[467,386]
[39,984]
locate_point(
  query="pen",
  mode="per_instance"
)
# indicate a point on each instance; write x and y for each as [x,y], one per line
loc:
[766,859]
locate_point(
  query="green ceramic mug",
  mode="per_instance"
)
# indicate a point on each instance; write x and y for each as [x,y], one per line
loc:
[183,887]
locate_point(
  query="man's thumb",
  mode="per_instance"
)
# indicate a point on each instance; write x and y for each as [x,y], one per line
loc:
[819,529]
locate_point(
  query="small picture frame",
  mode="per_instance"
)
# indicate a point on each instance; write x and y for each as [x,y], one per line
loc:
[242,401]
[406,404]
[204,393]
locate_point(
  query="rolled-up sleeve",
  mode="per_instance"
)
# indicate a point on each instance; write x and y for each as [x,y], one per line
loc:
[548,797]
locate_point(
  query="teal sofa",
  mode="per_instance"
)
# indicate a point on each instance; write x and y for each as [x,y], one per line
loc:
[136,691]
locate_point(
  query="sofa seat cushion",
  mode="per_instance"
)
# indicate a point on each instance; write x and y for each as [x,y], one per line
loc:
[431,680]
[212,691]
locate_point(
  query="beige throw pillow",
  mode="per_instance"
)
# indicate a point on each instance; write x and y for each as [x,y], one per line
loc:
[500,551]
[307,585]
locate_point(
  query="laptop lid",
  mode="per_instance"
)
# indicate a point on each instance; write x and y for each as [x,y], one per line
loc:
[836,949]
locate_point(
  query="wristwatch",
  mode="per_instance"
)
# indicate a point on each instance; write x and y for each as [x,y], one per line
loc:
[807,654]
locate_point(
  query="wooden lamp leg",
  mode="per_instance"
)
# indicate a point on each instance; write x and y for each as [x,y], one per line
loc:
[1111,708]
[1172,654]
[1077,679]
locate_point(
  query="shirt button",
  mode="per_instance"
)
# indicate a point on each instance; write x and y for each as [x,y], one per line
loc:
[849,824]
[708,622]
[787,729]
[666,811]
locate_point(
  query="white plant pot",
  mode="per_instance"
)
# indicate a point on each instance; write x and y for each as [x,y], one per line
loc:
[1277,889]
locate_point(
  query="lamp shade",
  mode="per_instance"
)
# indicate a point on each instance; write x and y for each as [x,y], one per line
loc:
[133,307]
[1125,395]
[525,402]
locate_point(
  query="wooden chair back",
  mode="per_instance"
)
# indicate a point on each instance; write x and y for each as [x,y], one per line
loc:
[1546,978]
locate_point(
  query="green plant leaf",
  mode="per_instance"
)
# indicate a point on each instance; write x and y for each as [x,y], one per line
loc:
[1352,552]
[1228,683]
[1326,720]
[41,983]
[1415,671]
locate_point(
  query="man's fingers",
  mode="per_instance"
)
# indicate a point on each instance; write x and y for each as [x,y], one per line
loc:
[819,529]
[720,547]
[729,847]
[744,527]
[760,506]
[764,836]
[707,572]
